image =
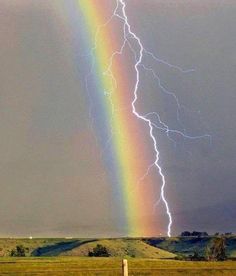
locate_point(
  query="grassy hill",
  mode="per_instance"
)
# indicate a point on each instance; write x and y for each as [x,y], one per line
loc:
[80,247]
[188,245]
[159,248]
[7,244]
[122,248]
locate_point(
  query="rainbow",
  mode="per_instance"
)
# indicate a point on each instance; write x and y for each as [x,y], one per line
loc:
[130,152]
[128,141]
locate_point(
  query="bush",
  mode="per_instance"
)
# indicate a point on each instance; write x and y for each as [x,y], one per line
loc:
[99,251]
[19,251]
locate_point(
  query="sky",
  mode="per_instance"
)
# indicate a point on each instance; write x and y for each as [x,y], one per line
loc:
[53,176]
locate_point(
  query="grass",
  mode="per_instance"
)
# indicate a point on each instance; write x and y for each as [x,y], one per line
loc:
[7,244]
[188,245]
[67,257]
[111,266]
[122,248]
[81,247]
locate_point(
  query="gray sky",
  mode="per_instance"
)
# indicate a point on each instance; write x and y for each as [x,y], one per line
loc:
[51,174]
[200,35]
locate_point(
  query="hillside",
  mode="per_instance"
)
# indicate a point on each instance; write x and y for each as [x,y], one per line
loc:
[159,248]
[188,245]
[80,247]
[122,248]
[7,244]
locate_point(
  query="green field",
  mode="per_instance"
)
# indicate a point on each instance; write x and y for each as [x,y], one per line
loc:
[111,266]
[155,256]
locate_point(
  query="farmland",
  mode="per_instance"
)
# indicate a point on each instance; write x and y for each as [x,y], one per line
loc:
[153,256]
[111,266]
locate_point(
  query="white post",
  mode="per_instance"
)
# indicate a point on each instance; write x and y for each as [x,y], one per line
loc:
[125,267]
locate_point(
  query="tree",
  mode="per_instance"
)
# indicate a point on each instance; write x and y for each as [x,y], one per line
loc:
[19,251]
[217,251]
[99,251]
[199,234]
[185,234]
[194,234]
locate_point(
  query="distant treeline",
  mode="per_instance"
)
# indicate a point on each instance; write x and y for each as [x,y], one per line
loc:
[194,234]
[201,234]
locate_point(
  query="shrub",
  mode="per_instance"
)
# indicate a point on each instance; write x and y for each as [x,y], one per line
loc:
[19,251]
[99,251]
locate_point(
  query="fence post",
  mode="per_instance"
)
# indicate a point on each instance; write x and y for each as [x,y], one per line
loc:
[124,267]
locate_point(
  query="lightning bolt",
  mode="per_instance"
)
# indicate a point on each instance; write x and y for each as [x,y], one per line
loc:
[139,58]
[130,37]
